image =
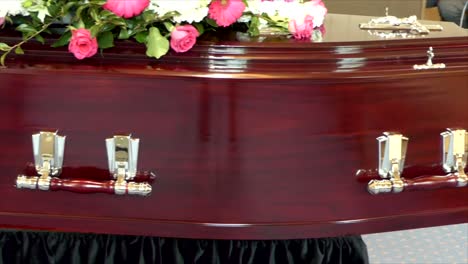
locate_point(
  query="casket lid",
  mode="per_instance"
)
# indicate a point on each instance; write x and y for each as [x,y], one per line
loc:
[343,48]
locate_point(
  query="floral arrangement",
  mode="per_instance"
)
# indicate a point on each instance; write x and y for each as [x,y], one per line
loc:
[160,25]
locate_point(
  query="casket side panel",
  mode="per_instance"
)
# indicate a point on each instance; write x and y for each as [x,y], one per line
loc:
[237,159]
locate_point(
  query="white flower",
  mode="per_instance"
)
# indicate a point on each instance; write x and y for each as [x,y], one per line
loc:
[281,10]
[244,19]
[270,8]
[38,6]
[188,11]
[12,8]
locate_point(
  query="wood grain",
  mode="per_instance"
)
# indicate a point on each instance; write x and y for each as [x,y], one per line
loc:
[249,140]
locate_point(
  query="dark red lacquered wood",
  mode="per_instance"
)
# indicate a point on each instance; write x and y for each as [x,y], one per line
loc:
[345,50]
[431,182]
[82,186]
[251,140]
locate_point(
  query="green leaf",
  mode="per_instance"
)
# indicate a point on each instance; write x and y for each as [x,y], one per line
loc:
[4,47]
[148,17]
[95,30]
[80,24]
[19,50]
[167,16]
[118,22]
[63,40]
[141,37]
[67,7]
[107,27]
[25,28]
[2,59]
[106,40]
[253,28]
[106,14]
[211,22]
[157,45]
[200,28]
[79,10]
[40,39]
[54,10]
[124,34]
[28,3]
[98,2]
[94,14]
[131,23]
[169,26]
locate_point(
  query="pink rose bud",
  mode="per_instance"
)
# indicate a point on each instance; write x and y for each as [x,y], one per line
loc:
[126,8]
[183,38]
[301,29]
[82,45]
[2,20]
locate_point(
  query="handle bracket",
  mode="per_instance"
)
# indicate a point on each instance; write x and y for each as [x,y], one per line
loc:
[392,152]
[455,152]
[48,148]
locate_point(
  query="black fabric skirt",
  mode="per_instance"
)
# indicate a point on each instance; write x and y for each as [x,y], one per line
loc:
[70,248]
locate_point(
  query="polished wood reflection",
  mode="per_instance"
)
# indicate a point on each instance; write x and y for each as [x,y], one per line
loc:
[249,140]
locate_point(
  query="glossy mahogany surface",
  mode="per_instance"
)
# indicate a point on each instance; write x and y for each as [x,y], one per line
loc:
[250,140]
[82,186]
[431,182]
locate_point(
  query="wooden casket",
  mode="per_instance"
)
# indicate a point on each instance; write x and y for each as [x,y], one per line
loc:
[248,138]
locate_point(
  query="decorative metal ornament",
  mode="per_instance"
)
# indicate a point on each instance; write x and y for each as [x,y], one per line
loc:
[429,65]
[409,24]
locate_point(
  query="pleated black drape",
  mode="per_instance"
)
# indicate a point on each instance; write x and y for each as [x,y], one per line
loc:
[70,248]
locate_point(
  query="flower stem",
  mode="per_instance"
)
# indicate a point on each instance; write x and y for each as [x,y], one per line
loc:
[44,27]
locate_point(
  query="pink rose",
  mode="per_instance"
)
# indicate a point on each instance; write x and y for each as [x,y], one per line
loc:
[126,8]
[2,20]
[317,2]
[301,29]
[183,38]
[82,45]
[226,12]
